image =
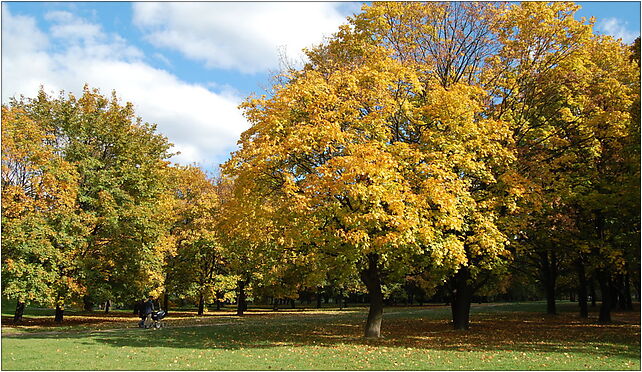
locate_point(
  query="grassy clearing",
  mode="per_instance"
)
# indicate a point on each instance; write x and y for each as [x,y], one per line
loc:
[502,337]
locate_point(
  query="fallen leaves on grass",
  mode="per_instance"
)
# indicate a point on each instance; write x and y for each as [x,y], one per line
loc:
[519,337]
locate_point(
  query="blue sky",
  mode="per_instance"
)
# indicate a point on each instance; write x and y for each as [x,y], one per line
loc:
[186,66]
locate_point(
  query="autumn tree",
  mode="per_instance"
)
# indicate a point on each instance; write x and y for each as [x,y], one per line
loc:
[611,196]
[251,231]
[442,46]
[419,130]
[567,94]
[40,227]
[196,268]
[390,170]
[120,163]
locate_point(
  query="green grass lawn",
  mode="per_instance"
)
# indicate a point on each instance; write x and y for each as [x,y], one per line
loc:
[502,337]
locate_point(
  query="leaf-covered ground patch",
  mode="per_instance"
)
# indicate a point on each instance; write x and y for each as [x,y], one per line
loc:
[414,339]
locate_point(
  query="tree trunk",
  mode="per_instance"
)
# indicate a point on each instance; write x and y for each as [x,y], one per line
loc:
[636,286]
[220,298]
[549,276]
[614,293]
[166,302]
[605,308]
[627,293]
[218,304]
[318,297]
[372,279]
[20,310]
[201,304]
[581,290]
[603,277]
[241,305]
[60,313]
[87,304]
[461,297]
[621,295]
[107,306]
[292,303]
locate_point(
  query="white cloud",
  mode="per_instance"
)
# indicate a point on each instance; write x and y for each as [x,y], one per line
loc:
[238,35]
[163,59]
[69,27]
[204,126]
[618,29]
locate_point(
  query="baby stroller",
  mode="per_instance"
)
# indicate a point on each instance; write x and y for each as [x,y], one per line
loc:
[156,320]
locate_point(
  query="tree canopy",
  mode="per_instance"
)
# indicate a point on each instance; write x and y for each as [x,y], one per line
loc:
[445,148]
[418,127]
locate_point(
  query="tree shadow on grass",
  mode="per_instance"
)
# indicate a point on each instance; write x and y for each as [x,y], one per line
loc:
[490,332]
[92,320]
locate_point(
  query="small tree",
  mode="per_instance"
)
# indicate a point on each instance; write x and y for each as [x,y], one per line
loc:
[196,268]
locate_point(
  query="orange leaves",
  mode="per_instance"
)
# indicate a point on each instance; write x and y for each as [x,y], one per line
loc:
[38,200]
[406,134]
[34,176]
[368,152]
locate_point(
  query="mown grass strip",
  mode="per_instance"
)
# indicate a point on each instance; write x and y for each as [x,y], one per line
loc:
[501,338]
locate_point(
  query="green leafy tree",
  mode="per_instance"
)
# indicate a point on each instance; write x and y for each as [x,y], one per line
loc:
[197,268]
[40,224]
[567,94]
[120,163]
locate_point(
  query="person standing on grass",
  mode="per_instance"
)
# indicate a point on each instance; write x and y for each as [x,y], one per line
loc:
[146,311]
